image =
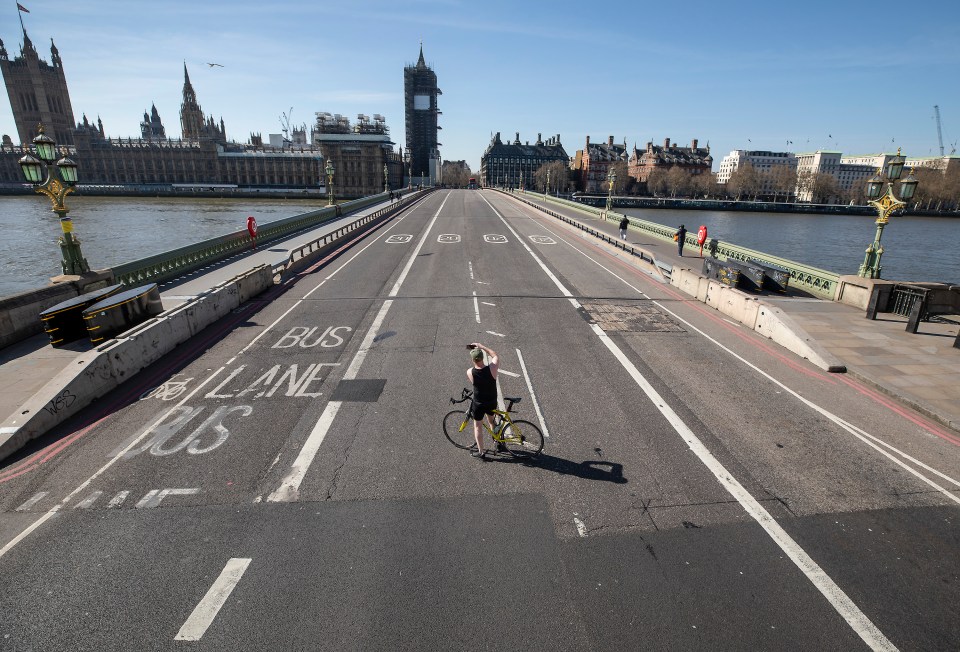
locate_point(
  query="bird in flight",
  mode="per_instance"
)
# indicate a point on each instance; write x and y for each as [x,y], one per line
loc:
[215,64]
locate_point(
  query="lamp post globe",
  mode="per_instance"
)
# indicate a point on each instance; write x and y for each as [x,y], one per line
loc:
[330,171]
[37,172]
[886,204]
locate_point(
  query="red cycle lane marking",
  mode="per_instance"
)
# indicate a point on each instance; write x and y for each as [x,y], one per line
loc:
[735,330]
[906,413]
[43,456]
[874,396]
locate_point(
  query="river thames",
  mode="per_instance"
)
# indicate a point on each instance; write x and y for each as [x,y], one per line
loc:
[116,230]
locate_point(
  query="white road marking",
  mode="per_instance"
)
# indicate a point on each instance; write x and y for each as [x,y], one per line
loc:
[289,489]
[497,334]
[317,286]
[870,440]
[86,483]
[118,500]
[533,395]
[476,307]
[88,502]
[487,303]
[208,608]
[155,496]
[844,606]
[581,526]
[33,500]
[509,373]
[470,267]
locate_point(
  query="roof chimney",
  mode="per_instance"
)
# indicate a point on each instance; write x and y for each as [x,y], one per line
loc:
[610,141]
[693,144]
[666,143]
[588,141]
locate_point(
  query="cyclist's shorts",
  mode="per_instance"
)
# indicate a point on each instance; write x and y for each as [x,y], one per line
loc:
[478,410]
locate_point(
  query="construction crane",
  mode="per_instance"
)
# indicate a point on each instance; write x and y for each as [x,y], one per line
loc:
[936,114]
[285,124]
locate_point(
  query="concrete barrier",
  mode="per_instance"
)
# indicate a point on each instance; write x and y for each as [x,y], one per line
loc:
[773,323]
[95,373]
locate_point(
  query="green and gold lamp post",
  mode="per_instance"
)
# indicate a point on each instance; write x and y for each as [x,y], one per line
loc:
[329,170]
[548,182]
[885,204]
[38,172]
[612,178]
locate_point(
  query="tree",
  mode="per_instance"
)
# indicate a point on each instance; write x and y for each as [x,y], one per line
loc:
[745,181]
[657,182]
[704,185]
[559,177]
[678,181]
[783,180]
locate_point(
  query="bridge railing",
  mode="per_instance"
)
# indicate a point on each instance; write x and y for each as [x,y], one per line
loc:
[818,282]
[183,260]
[312,250]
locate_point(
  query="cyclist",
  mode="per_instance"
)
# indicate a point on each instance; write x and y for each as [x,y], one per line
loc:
[484,379]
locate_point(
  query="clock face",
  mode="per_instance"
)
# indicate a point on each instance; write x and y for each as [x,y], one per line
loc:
[421,102]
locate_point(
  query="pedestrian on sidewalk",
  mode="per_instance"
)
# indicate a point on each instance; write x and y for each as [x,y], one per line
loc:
[624,223]
[680,236]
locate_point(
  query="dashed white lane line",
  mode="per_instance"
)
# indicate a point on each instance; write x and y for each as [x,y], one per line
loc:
[843,605]
[476,308]
[508,373]
[497,334]
[289,489]
[208,608]
[470,267]
[113,460]
[859,433]
[487,303]
[533,395]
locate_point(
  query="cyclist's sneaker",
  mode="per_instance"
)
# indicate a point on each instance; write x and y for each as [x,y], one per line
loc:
[501,447]
[479,455]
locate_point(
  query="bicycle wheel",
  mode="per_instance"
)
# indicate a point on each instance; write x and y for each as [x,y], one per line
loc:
[522,439]
[457,428]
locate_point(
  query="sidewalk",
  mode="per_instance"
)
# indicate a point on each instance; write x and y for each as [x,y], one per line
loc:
[25,367]
[921,370]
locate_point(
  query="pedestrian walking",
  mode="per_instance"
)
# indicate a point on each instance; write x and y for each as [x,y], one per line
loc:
[680,236]
[624,223]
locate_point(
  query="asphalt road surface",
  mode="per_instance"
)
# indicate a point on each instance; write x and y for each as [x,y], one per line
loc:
[282,481]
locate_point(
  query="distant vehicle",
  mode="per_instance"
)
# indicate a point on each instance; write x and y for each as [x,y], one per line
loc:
[473,183]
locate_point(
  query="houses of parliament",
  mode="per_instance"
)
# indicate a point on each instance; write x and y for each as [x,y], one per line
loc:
[361,152]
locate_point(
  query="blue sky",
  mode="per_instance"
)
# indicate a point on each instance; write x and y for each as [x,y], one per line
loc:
[837,75]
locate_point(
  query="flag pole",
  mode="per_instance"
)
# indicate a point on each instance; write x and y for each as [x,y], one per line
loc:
[20,15]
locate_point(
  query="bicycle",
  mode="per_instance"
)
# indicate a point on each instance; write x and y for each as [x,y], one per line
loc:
[521,438]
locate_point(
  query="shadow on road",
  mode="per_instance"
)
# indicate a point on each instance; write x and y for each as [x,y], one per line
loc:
[588,469]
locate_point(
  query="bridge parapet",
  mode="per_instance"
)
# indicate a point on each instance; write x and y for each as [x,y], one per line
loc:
[818,282]
[183,260]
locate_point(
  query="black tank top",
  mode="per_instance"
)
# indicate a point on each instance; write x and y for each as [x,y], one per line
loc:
[484,385]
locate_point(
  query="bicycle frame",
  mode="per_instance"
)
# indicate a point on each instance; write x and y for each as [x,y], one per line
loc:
[495,432]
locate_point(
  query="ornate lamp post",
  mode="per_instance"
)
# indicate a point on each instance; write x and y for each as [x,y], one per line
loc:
[885,206]
[548,181]
[612,178]
[386,180]
[38,173]
[329,170]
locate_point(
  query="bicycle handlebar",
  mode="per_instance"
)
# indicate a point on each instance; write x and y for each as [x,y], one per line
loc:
[464,395]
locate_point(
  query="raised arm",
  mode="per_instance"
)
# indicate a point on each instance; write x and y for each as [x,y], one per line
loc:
[493,360]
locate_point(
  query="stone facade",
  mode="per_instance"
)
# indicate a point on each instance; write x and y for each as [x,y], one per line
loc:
[593,163]
[512,165]
[693,159]
[38,93]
